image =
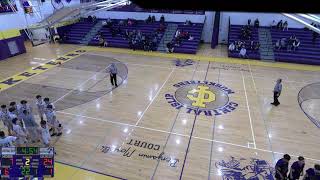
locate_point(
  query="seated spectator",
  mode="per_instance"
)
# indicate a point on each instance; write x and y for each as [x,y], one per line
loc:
[312,173]
[249,22]
[283,43]
[162,19]
[170,47]
[121,23]
[232,47]
[90,19]
[243,52]
[153,19]
[188,23]
[177,33]
[148,20]
[191,38]
[273,24]
[257,46]
[280,25]
[277,45]
[256,23]
[251,45]
[94,19]
[296,44]
[285,26]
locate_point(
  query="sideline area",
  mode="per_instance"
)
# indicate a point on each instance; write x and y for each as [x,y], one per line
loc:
[290,66]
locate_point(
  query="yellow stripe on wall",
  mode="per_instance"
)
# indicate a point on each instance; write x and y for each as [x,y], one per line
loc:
[9,33]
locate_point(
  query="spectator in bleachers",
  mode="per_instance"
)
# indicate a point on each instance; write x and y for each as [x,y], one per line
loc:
[132,44]
[187,23]
[170,47]
[249,22]
[232,47]
[162,19]
[154,42]
[153,19]
[148,20]
[257,46]
[121,23]
[283,43]
[243,52]
[177,33]
[280,25]
[312,173]
[191,38]
[277,45]
[285,26]
[90,19]
[273,24]
[252,45]
[296,44]
[256,23]
[94,19]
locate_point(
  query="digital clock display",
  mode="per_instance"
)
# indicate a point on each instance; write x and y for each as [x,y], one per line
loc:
[24,162]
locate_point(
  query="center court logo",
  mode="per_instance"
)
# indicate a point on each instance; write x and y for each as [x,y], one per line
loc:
[202,97]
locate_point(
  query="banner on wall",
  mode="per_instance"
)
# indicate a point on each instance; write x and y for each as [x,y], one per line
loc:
[7,6]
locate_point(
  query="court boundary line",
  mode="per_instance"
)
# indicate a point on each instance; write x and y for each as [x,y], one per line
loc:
[90,170]
[178,134]
[261,112]
[249,111]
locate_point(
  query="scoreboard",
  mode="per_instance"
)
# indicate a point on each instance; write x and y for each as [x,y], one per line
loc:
[26,162]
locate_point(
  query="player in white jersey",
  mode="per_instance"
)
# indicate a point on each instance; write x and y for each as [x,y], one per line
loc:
[6,141]
[41,106]
[19,132]
[14,105]
[4,116]
[53,122]
[30,125]
[45,134]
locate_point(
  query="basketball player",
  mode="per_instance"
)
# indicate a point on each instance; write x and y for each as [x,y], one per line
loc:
[30,125]
[41,106]
[297,169]
[113,74]
[6,141]
[313,173]
[24,106]
[45,134]
[282,167]
[276,92]
[19,132]
[53,122]
[14,105]
[4,116]
[47,102]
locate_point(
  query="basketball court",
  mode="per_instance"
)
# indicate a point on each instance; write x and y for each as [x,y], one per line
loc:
[208,120]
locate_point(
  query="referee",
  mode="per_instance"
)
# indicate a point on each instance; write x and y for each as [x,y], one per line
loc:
[113,74]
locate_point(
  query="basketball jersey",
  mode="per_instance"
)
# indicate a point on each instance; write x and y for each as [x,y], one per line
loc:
[7,141]
[18,130]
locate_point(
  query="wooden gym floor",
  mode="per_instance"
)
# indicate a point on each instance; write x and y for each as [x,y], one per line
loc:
[132,132]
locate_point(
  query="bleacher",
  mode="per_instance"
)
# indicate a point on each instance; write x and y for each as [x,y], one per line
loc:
[306,53]
[190,46]
[119,40]
[234,35]
[75,32]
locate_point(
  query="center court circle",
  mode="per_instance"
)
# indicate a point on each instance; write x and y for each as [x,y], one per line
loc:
[202,96]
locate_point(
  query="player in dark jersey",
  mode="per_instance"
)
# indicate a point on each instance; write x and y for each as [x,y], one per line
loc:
[297,169]
[282,167]
[313,173]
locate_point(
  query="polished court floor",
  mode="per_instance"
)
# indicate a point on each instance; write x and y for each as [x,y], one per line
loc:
[134,132]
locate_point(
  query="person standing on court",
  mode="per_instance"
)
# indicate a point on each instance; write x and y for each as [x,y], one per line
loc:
[297,169]
[113,74]
[282,167]
[276,92]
